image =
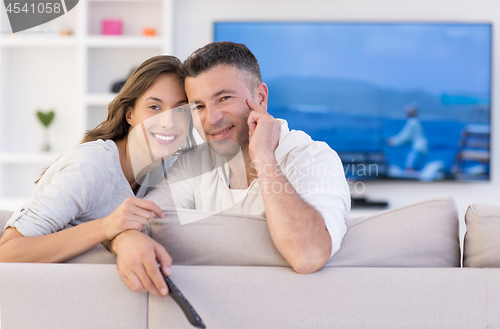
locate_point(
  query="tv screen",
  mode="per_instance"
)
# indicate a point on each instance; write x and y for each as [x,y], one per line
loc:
[395,100]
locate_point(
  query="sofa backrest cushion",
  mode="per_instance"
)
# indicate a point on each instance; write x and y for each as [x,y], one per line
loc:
[424,234]
[216,239]
[482,239]
[4,217]
[96,255]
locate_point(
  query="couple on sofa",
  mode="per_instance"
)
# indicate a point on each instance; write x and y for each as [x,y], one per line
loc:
[144,158]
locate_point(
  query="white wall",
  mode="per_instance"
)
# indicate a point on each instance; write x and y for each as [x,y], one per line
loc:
[194,28]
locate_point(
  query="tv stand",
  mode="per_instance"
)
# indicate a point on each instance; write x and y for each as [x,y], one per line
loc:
[360,202]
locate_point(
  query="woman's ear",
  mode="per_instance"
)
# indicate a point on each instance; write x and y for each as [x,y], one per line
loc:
[262,94]
[128,115]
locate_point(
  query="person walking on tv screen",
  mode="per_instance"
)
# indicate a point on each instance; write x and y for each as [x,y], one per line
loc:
[413,133]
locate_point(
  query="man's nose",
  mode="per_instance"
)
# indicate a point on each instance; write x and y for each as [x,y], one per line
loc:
[213,115]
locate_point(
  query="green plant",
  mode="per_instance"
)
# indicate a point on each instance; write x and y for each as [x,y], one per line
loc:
[45,117]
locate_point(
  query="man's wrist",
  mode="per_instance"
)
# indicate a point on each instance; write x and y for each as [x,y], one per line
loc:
[117,241]
[266,164]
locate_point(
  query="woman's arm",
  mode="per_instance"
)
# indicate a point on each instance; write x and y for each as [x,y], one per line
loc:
[51,248]
[132,214]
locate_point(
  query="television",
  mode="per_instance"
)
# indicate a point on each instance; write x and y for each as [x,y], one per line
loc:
[395,100]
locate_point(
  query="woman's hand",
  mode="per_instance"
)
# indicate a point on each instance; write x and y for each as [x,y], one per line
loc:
[132,214]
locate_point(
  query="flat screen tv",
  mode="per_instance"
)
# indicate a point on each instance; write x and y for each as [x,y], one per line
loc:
[395,100]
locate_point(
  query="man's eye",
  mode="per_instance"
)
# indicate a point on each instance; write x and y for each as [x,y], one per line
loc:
[223,98]
[198,107]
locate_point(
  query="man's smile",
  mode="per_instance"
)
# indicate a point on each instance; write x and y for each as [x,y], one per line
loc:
[221,133]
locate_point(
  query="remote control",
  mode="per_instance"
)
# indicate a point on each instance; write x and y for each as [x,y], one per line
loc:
[183,303]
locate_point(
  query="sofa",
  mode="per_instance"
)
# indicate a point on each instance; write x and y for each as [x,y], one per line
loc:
[397,268]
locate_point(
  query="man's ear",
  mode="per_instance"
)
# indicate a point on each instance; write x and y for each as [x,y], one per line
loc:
[262,94]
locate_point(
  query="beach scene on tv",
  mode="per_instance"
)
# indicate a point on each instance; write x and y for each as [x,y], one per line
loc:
[395,100]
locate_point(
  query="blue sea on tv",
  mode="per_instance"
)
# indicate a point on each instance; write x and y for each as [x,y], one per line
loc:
[350,84]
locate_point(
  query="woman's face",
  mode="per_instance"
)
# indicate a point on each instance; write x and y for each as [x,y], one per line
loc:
[160,118]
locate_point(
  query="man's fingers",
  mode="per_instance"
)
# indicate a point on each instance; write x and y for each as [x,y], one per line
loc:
[255,107]
[134,283]
[156,278]
[147,283]
[253,118]
[163,258]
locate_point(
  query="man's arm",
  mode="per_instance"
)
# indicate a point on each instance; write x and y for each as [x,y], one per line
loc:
[298,230]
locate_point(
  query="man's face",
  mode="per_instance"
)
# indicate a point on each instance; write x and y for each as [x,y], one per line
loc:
[220,112]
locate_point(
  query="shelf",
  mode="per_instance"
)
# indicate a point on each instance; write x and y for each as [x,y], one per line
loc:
[140,1]
[99,99]
[31,41]
[40,69]
[29,157]
[117,41]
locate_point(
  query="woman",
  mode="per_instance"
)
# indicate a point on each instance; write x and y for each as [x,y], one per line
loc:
[99,183]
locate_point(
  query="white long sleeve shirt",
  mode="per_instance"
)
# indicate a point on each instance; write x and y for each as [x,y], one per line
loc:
[199,180]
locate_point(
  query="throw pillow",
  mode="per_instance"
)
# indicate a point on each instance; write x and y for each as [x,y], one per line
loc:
[482,242]
[423,234]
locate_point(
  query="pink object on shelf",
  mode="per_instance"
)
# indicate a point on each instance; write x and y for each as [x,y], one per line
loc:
[111,27]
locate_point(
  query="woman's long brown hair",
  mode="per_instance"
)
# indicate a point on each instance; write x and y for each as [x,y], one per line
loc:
[116,127]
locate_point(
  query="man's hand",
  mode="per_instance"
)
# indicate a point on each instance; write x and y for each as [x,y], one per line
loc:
[264,132]
[137,260]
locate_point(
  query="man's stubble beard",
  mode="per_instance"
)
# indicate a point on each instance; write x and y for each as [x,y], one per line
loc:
[229,148]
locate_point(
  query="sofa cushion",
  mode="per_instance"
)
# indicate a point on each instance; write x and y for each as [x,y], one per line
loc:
[68,296]
[424,234]
[215,239]
[97,255]
[277,298]
[482,242]
[4,217]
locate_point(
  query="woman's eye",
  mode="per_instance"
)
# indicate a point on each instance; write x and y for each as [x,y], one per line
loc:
[180,109]
[155,107]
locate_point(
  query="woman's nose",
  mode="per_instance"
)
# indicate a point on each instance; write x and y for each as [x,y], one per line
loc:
[167,119]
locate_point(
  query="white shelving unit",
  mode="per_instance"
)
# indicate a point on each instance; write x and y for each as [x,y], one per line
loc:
[72,75]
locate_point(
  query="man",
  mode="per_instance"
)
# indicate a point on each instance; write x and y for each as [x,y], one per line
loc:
[298,184]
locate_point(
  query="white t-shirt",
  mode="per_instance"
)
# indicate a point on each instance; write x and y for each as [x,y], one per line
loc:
[198,180]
